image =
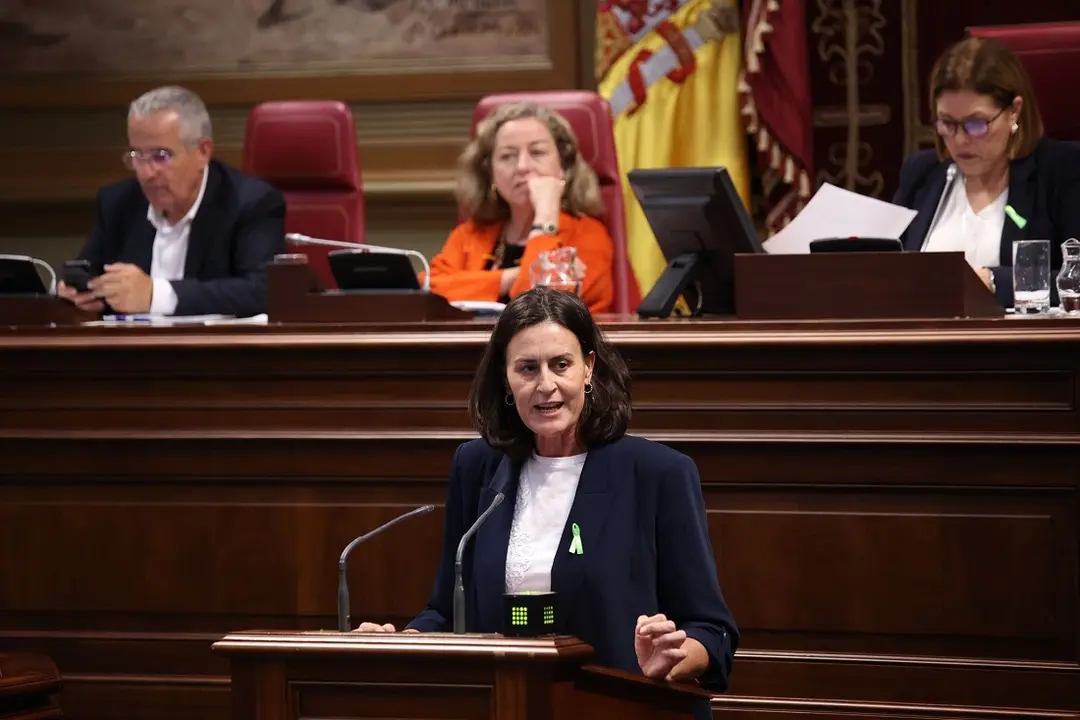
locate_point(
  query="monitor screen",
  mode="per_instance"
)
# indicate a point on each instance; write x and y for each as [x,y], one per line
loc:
[697,211]
[19,276]
[356,270]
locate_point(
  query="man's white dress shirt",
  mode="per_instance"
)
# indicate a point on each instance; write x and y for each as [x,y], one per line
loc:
[170,254]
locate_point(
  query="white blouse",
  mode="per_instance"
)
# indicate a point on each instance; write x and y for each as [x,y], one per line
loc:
[961,229]
[546,491]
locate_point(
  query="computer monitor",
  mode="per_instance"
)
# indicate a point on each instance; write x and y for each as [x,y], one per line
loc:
[700,224]
[19,276]
[358,270]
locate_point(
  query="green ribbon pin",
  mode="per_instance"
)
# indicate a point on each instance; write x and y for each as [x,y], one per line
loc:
[1015,217]
[575,544]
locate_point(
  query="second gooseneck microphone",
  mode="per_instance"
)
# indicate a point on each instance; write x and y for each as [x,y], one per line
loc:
[344,622]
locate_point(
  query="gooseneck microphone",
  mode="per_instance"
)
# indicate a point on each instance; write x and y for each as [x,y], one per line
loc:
[343,619]
[950,177]
[459,582]
[300,239]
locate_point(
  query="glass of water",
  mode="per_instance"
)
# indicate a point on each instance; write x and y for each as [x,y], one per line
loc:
[558,269]
[1031,276]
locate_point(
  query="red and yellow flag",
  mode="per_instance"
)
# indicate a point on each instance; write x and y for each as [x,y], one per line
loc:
[670,69]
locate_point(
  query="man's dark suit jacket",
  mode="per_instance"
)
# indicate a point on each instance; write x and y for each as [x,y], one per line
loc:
[236,232]
[645,543]
[1044,188]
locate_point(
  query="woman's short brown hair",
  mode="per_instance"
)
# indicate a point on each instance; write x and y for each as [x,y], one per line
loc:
[478,200]
[606,414]
[987,67]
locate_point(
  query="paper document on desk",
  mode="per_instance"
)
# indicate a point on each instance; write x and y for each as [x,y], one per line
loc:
[837,213]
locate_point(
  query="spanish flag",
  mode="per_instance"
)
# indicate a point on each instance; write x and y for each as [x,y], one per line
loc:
[670,71]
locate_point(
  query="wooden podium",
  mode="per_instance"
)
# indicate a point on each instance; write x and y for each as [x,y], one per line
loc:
[29,685]
[860,285]
[295,295]
[40,310]
[312,675]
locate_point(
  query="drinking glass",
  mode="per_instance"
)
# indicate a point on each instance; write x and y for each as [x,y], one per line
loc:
[1031,276]
[557,269]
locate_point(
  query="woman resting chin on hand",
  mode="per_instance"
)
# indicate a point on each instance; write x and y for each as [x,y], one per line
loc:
[525,190]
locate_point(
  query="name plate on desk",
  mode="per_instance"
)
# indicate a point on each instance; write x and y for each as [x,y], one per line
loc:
[295,295]
[860,285]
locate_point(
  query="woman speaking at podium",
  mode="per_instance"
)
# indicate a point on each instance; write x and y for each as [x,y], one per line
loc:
[524,190]
[992,178]
[614,525]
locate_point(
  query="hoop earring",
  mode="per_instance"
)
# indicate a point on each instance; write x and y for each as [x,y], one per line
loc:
[588,388]
[509,399]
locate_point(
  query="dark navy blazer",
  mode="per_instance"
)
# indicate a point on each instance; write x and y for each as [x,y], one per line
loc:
[646,550]
[1044,189]
[237,231]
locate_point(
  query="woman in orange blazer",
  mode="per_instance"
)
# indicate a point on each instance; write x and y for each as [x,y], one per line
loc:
[525,190]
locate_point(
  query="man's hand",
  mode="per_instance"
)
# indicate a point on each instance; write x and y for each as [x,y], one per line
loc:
[84,301]
[125,287]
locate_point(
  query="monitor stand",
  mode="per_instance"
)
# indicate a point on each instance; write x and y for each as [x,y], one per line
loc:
[672,283]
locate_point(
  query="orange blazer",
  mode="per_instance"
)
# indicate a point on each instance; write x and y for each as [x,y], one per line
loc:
[457,272]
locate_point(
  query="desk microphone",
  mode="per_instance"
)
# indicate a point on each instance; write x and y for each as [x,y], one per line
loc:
[343,619]
[298,239]
[950,176]
[459,583]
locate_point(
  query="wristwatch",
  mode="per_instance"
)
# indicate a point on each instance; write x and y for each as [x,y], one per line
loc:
[546,228]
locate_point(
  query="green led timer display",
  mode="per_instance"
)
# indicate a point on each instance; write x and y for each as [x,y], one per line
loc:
[529,614]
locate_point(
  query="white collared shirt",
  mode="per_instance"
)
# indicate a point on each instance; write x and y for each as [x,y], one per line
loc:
[170,253]
[961,229]
[546,490]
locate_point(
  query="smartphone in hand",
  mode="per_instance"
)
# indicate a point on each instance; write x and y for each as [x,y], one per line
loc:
[77,275]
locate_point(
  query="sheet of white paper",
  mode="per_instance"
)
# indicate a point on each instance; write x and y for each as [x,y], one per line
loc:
[480,307]
[146,319]
[835,212]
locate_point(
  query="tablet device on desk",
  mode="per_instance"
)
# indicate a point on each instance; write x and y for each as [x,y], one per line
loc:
[700,224]
[357,270]
[19,276]
[856,244]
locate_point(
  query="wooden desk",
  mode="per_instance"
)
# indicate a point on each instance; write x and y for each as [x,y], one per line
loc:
[28,687]
[893,505]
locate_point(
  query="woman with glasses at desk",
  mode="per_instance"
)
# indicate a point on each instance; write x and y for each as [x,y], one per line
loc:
[992,177]
[525,190]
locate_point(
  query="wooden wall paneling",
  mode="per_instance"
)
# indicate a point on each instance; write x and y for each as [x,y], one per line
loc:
[893,509]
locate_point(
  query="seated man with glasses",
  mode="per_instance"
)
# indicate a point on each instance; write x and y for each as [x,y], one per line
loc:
[992,178]
[187,235]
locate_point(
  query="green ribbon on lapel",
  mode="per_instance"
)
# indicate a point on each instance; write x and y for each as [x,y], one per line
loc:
[1015,217]
[575,544]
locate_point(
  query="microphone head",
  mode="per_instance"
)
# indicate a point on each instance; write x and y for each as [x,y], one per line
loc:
[499,497]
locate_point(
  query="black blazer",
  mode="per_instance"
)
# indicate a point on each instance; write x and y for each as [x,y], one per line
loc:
[238,229]
[645,543]
[1044,188]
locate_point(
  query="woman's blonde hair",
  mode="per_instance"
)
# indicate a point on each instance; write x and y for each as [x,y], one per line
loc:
[475,193]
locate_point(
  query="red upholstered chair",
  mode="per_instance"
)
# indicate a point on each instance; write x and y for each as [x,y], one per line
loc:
[307,150]
[1050,53]
[590,117]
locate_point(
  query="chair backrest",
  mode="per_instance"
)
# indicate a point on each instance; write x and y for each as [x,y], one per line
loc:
[307,150]
[590,117]
[1050,53]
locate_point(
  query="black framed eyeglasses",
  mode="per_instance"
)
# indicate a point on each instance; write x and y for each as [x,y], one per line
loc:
[157,157]
[972,127]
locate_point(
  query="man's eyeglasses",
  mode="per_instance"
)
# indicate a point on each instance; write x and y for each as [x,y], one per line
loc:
[972,127]
[157,158]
